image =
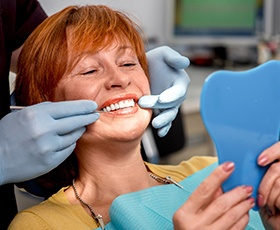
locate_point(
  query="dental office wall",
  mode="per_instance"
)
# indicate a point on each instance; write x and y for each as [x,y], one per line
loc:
[149,14]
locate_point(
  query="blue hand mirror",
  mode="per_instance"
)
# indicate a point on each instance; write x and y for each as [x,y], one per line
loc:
[241,112]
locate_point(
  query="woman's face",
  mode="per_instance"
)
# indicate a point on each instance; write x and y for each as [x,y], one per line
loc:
[115,80]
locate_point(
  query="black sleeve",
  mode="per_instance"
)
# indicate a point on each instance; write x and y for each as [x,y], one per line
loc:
[29,14]
[18,18]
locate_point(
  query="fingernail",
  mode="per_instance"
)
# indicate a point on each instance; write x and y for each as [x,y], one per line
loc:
[252,201]
[260,200]
[248,189]
[228,166]
[262,160]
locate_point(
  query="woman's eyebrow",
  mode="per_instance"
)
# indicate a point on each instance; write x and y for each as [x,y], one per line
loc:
[124,48]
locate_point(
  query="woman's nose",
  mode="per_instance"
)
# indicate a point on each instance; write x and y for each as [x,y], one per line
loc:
[117,78]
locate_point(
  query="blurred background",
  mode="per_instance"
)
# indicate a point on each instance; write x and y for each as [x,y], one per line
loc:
[213,34]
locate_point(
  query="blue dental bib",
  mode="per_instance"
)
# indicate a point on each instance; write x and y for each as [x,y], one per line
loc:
[154,208]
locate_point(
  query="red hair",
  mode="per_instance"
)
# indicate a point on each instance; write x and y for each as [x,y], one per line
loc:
[49,53]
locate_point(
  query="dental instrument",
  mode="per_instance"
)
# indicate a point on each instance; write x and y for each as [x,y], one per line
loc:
[17,107]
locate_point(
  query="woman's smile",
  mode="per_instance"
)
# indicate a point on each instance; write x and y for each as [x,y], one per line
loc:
[119,105]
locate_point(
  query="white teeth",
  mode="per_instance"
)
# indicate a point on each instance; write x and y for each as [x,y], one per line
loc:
[112,107]
[120,105]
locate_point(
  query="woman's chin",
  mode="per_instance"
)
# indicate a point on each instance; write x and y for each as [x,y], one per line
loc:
[120,128]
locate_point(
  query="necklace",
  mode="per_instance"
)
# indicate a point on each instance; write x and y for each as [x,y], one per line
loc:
[98,217]
[166,180]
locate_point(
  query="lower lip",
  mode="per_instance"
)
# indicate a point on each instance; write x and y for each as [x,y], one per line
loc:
[123,112]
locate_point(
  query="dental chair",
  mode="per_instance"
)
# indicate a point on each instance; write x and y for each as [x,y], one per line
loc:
[155,147]
[25,199]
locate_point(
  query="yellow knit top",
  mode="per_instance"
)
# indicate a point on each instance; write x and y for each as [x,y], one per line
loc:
[58,213]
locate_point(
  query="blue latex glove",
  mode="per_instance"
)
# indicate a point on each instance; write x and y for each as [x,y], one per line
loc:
[38,138]
[169,84]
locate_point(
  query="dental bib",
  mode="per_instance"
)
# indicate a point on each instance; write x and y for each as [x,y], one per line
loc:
[241,111]
[154,208]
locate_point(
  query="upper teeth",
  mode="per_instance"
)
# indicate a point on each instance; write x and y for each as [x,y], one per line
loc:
[119,105]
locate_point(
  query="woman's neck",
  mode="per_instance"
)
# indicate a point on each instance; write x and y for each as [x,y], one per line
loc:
[119,170]
[105,175]
[100,161]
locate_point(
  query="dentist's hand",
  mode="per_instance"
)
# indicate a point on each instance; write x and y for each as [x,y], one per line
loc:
[169,84]
[37,138]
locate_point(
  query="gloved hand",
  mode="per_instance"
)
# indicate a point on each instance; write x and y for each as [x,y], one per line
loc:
[169,84]
[37,138]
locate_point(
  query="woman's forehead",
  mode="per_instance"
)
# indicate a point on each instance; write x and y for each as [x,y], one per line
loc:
[87,46]
[77,53]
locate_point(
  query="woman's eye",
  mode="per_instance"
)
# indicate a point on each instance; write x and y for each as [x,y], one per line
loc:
[129,64]
[89,72]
